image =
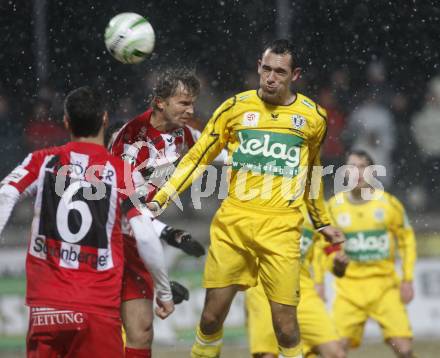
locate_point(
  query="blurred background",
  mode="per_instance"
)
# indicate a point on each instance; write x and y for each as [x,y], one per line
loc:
[373,65]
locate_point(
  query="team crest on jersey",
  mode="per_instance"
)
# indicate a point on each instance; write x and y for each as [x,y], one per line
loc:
[274,116]
[298,121]
[250,119]
[344,219]
[379,214]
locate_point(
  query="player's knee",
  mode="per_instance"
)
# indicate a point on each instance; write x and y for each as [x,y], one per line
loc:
[402,347]
[287,335]
[210,322]
[333,349]
[141,337]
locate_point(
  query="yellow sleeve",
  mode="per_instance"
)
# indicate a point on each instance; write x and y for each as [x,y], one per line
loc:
[319,261]
[212,140]
[314,192]
[406,241]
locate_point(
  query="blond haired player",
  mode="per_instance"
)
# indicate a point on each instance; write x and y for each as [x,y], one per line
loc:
[374,230]
[273,136]
[318,332]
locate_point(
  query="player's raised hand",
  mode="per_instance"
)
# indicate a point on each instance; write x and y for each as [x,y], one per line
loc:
[164,308]
[340,263]
[332,234]
[182,240]
[154,207]
[406,292]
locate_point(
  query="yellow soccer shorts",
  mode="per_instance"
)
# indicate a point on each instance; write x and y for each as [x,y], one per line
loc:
[249,244]
[316,326]
[377,298]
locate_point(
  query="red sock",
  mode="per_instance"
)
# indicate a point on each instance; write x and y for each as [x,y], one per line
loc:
[137,353]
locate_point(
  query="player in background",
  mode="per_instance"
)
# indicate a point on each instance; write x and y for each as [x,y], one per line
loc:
[75,258]
[375,230]
[274,136]
[154,141]
[318,333]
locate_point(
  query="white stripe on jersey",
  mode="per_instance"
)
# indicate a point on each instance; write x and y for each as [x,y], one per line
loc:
[113,203]
[37,210]
[79,163]
[69,255]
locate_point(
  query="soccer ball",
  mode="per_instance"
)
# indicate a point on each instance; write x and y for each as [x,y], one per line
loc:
[129,37]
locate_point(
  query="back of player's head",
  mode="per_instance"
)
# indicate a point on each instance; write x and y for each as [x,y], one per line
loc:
[362,154]
[169,80]
[84,109]
[284,47]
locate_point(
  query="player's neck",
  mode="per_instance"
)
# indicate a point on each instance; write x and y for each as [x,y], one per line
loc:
[94,140]
[157,122]
[355,196]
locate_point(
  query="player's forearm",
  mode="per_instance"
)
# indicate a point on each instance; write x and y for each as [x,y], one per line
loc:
[158,226]
[409,255]
[190,168]
[151,252]
[9,196]
[314,194]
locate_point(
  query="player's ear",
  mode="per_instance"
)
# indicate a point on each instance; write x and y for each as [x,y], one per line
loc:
[105,119]
[159,103]
[296,73]
[259,67]
[66,122]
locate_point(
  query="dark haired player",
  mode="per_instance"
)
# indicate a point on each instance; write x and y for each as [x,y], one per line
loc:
[274,136]
[75,259]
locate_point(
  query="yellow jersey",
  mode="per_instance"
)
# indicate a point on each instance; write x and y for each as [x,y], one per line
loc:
[375,230]
[271,151]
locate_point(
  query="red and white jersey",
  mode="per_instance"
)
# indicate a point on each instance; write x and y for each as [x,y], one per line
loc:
[152,152]
[75,255]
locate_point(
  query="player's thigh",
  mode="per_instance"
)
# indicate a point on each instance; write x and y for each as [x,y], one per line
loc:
[137,317]
[137,281]
[259,322]
[349,320]
[279,258]
[391,315]
[230,261]
[316,326]
[46,345]
[101,339]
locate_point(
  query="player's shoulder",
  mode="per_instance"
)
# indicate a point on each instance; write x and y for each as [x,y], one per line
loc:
[310,107]
[41,154]
[336,200]
[392,201]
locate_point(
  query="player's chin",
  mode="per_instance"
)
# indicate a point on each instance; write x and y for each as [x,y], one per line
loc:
[270,97]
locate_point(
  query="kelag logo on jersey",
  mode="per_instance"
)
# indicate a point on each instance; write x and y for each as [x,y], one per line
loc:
[366,246]
[268,152]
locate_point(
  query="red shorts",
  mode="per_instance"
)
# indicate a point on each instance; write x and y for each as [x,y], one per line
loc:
[137,281]
[57,333]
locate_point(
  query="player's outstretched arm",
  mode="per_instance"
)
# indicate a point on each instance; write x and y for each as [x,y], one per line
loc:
[9,196]
[151,252]
[213,139]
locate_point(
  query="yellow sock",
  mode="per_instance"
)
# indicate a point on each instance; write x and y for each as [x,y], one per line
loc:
[207,345]
[293,352]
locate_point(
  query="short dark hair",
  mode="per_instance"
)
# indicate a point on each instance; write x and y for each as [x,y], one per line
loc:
[284,47]
[360,153]
[84,109]
[168,81]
